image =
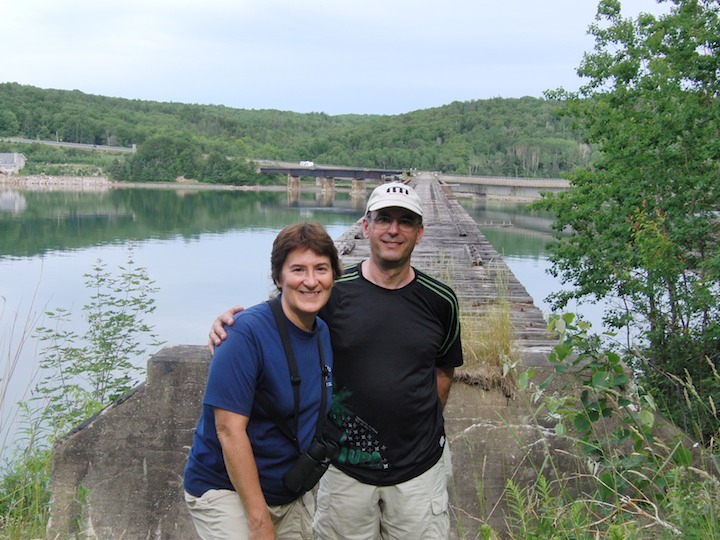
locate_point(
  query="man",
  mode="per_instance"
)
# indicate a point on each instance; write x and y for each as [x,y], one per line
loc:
[395,335]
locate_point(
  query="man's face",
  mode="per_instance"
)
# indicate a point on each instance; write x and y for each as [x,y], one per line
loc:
[393,233]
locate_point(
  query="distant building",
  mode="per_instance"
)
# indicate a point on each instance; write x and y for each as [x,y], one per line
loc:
[11,163]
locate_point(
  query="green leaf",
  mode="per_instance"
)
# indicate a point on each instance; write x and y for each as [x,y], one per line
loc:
[683,456]
[523,380]
[581,423]
[646,418]
[601,380]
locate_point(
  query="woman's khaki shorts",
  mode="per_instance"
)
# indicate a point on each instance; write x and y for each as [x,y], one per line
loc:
[219,515]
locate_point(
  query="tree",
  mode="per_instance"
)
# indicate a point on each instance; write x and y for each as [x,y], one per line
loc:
[163,158]
[644,222]
[9,124]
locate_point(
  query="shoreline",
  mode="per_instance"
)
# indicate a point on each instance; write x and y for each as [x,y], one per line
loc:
[102,183]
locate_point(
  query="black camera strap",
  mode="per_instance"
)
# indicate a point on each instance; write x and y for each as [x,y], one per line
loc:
[265,402]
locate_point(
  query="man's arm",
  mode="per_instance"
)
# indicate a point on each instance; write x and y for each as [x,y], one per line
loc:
[217,332]
[444,378]
[240,463]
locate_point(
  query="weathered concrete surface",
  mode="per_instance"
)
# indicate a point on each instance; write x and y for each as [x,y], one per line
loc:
[129,459]
[493,439]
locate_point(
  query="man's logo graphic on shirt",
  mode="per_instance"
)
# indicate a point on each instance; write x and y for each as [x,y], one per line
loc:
[361,446]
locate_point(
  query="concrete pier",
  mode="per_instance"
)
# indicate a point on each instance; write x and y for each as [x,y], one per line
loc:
[120,474]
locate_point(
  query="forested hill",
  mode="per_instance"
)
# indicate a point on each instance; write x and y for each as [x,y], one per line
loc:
[508,137]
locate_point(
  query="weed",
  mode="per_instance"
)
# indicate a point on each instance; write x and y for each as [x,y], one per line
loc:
[645,478]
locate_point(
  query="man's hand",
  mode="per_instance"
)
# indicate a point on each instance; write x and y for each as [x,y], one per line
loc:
[217,332]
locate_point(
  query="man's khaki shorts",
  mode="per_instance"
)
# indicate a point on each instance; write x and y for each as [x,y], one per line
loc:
[350,510]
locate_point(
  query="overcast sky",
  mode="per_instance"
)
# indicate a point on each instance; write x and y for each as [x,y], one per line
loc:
[332,56]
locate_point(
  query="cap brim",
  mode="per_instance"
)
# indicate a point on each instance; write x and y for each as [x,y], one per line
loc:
[395,204]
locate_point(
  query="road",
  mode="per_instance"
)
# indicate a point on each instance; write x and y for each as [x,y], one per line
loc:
[70,144]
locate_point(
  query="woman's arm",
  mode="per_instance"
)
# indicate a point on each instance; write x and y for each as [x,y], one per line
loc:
[240,463]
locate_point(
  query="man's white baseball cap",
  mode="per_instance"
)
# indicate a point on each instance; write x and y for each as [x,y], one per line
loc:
[394,194]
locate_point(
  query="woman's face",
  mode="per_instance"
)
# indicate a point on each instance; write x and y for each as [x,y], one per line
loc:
[305,280]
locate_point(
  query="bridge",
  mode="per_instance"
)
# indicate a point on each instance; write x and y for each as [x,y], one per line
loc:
[486,186]
[504,186]
[326,174]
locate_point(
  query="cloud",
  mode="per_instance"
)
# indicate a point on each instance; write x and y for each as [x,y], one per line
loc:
[353,56]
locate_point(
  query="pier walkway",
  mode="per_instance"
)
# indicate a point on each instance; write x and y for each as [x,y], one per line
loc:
[454,250]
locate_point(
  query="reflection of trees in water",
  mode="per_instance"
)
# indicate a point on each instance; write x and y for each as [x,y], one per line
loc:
[72,220]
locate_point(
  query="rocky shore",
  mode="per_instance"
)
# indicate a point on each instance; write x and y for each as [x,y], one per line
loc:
[102,183]
[43,183]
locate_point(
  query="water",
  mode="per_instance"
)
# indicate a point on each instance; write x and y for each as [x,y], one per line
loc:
[205,250]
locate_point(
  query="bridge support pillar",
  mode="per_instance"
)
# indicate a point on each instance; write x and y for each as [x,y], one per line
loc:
[358,186]
[328,183]
[293,198]
[293,183]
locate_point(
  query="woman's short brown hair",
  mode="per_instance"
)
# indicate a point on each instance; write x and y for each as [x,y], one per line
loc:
[307,235]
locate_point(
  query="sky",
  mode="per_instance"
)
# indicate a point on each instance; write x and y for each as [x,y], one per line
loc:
[331,56]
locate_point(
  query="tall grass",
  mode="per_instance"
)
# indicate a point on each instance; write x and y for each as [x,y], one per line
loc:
[24,466]
[13,339]
[488,342]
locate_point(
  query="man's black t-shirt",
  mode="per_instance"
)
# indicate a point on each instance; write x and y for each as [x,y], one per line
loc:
[387,344]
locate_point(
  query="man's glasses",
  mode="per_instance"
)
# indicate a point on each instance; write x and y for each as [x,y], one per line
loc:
[405,224]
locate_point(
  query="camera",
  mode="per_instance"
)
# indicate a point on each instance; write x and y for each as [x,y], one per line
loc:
[310,466]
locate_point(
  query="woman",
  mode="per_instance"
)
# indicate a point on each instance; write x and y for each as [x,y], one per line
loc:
[242,450]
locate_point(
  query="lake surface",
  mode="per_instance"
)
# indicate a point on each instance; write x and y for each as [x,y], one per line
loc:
[205,250]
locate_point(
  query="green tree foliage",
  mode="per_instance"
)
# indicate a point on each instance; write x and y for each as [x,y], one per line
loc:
[638,477]
[644,221]
[218,168]
[163,158]
[167,157]
[84,374]
[507,137]
[8,123]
